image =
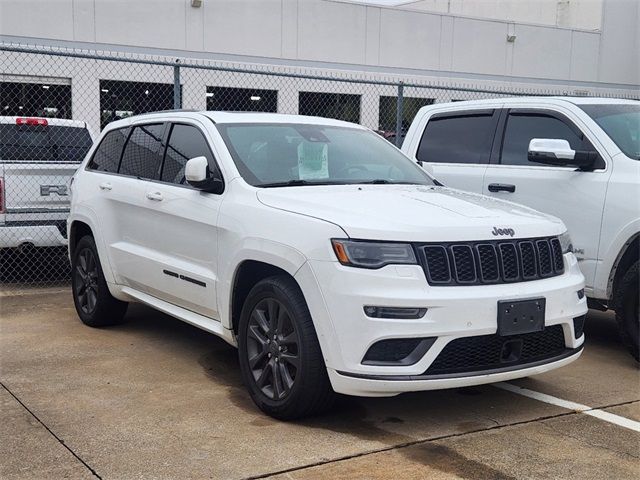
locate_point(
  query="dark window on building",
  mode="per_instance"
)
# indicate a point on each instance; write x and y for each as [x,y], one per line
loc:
[185,142]
[459,139]
[107,156]
[41,143]
[521,129]
[242,99]
[142,156]
[388,111]
[330,105]
[124,99]
[35,100]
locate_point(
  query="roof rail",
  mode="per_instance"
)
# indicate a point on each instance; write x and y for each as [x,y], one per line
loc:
[173,110]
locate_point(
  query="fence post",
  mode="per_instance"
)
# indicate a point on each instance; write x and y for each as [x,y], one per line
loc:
[399,106]
[177,101]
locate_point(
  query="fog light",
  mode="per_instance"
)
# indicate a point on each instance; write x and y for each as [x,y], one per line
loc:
[398,351]
[394,312]
[580,294]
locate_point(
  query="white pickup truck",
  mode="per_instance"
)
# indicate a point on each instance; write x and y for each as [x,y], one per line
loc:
[575,158]
[38,157]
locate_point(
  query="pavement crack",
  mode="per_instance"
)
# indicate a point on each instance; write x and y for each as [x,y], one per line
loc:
[60,440]
[409,444]
[585,441]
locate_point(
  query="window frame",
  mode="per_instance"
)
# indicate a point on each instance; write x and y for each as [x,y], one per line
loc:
[88,168]
[160,152]
[492,112]
[498,144]
[165,145]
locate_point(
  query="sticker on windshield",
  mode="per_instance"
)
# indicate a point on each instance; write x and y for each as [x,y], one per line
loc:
[313,161]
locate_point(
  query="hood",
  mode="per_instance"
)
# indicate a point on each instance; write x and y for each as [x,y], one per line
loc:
[413,213]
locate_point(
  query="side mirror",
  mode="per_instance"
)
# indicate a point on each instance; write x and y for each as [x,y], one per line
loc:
[198,175]
[558,152]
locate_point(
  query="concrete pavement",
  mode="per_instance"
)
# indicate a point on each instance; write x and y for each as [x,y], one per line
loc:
[154,397]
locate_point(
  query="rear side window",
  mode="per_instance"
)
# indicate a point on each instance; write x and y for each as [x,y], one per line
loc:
[43,143]
[457,139]
[107,156]
[185,143]
[142,157]
[521,128]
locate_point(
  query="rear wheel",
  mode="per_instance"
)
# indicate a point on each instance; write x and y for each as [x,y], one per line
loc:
[280,357]
[628,309]
[96,307]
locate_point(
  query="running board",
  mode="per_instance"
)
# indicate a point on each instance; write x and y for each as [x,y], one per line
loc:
[205,323]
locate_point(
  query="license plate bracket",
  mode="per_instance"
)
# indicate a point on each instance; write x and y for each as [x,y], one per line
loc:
[521,316]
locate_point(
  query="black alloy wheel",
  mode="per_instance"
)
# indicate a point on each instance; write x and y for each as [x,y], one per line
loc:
[272,349]
[86,281]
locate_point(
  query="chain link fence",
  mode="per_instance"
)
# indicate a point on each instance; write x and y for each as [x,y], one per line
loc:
[54,103]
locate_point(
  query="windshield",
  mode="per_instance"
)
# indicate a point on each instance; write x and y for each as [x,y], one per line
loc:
[621,122]
[281,154]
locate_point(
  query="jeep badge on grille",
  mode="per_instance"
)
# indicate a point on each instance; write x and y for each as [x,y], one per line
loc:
[503,231]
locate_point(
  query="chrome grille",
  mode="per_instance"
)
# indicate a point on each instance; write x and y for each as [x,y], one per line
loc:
[472,263]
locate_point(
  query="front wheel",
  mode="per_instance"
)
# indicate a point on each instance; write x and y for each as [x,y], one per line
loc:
[280,358]
[94,303]
[628,309]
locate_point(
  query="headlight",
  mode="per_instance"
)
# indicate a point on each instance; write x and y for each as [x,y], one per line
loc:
[565,242]
[372,254]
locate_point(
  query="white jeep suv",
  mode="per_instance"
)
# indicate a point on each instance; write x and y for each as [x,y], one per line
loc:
[330,259]
[575,158]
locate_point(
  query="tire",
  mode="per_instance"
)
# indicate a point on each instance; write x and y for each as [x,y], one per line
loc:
[628,310]
[280,360]
[94,304]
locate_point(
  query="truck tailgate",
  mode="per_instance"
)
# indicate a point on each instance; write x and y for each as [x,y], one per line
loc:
[37,188]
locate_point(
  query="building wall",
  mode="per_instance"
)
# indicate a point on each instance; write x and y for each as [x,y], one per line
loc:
[579,14]
[468,38]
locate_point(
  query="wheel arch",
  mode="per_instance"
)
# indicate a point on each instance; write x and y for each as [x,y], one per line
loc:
[81,225]
[77,230]
[247,274]
[629,253]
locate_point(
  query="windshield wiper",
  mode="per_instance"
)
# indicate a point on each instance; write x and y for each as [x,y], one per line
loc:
[293,183]
[382,181]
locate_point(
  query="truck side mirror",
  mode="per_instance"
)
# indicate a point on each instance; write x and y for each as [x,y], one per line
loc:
[558,152]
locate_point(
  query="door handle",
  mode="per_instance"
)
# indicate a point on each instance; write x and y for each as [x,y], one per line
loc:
[155,196]
[502,187]
[105,186]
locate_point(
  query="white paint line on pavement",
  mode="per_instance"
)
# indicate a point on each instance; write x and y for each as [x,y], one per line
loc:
[577,407]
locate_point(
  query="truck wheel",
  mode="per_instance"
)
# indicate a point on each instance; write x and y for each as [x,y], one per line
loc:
[627,304]
[280,358]
[94,304]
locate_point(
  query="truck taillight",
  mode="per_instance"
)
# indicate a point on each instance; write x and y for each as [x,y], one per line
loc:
[42,122]
[2,195]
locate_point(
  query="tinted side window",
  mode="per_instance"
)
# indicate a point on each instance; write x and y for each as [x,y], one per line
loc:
[521,129]
[107,155]
[142,157]
[185,143]
[460,139]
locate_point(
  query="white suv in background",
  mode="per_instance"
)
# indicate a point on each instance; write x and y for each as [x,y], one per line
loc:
[329,258]
[575,158]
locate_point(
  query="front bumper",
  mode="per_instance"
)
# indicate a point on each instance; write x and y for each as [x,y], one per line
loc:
[380,387]
[337,294]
